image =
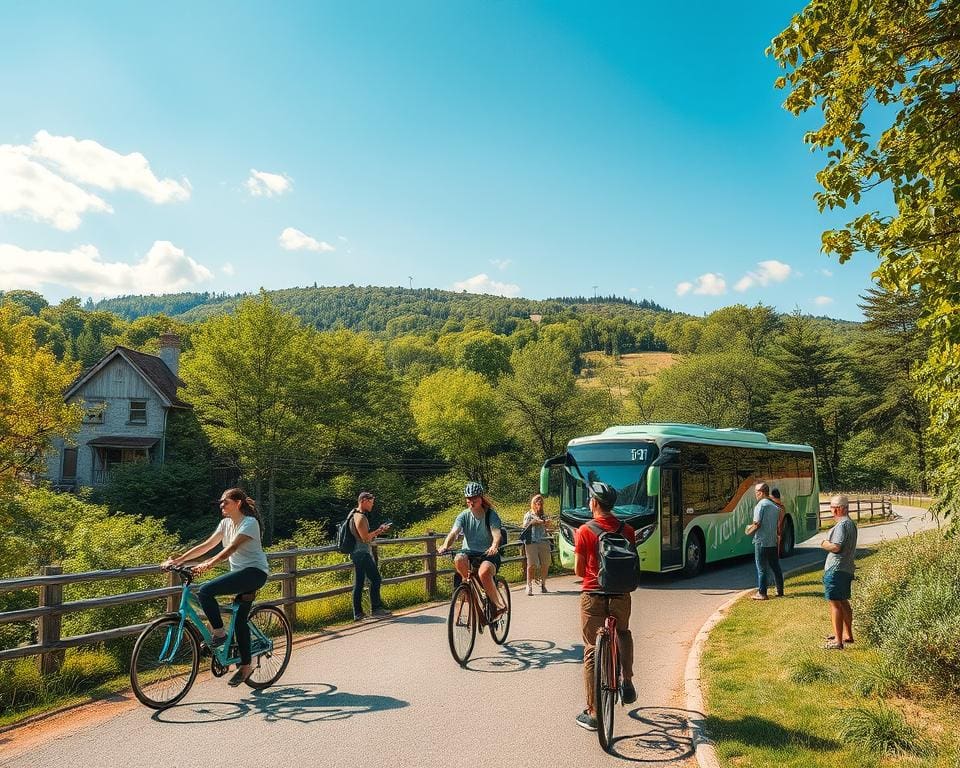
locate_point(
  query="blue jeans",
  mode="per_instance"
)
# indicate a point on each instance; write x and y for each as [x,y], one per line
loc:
[233,583]
[364,566]
[767,557]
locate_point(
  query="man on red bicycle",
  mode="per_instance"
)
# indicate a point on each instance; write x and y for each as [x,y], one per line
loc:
[480,525]
[596,605]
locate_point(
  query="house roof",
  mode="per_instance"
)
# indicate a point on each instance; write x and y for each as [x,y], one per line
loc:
[151,367]
[123,441]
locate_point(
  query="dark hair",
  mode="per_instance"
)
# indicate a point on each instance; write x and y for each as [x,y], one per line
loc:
[775,492]
[247,505]
[763,488]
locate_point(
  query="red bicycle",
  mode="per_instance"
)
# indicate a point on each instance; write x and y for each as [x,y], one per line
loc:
[606,679]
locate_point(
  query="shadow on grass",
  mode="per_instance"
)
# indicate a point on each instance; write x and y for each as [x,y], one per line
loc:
[760,732]
[302,703]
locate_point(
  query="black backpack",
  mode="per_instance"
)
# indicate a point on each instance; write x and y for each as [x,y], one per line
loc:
[619,563]
[346,539]
[504,536]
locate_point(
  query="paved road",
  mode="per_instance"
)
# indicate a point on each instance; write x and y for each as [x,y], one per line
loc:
[388,693]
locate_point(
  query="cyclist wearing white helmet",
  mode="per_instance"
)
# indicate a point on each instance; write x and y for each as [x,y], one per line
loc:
[481,528]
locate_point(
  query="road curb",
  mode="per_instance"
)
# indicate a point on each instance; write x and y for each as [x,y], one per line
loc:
[704,750]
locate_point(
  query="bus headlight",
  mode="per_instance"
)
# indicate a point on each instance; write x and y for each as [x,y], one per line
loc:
[567,532]
[645,533]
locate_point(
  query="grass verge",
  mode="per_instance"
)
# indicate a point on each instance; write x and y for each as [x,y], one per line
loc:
[777,698]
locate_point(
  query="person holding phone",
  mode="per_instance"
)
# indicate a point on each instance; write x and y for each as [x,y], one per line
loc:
[364,566]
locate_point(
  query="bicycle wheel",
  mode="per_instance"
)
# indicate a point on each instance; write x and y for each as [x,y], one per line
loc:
[164,663]
[268,622]
[604,689]
[500,627]
[461,624]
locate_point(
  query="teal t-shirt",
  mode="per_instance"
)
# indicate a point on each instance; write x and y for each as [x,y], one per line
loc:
[767,514]
[476,536]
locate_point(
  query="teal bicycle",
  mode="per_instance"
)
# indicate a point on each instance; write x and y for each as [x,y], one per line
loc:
[166,656]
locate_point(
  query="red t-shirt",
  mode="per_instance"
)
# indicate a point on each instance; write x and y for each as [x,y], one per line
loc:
[585,547]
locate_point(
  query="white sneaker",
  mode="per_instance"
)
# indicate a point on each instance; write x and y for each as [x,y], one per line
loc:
[529,590]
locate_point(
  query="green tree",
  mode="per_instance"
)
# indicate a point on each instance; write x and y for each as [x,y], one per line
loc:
[456,412]
[251,378]
[884,75]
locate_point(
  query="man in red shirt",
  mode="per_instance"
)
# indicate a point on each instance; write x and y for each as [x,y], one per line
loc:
[595,606]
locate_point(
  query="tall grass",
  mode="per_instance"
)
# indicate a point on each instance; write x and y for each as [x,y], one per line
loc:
[880,729]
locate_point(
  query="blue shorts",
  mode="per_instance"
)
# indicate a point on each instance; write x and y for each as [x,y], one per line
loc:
[836,584]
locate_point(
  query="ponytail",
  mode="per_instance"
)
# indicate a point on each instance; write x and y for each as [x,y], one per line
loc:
[247,505]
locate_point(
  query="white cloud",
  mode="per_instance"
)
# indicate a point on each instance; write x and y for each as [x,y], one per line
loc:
[89,162]
[708,284]
[228,268]
[501,264]
[822,301]
[29,189]
[165,269]
[684,288]
[483,284]
[294,240]
[263,184]
[767,272]
[825,272]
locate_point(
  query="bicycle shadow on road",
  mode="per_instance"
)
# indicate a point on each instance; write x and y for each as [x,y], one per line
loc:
[301,703]
[521,655]
[663,736]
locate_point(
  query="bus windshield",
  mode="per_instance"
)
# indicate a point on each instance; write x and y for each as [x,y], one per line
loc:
[622,465]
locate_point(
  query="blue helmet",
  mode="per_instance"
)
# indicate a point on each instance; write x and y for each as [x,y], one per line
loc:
[473,488]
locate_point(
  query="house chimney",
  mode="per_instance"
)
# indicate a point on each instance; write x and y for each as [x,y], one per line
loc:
[170,351]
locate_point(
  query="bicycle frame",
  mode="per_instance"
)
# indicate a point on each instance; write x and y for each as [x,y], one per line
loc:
[610,630]
[188,613]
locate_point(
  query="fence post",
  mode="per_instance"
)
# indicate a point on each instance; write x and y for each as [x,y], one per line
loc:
[49,626]
[431,578]
[173,602]
[288,588]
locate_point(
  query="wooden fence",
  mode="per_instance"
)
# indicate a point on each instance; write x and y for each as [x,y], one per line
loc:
[881,508]
[50,646]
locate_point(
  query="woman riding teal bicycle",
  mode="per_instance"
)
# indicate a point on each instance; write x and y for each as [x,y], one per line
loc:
[239,532]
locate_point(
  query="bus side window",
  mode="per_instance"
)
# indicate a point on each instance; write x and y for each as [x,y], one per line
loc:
[723,477]
[805,474]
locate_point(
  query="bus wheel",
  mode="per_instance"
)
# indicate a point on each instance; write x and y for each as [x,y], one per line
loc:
[695,554]
[787,540]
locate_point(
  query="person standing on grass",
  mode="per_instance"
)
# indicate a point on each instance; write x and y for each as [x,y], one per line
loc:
[766,517]
[537,548]
[364,566]
[838,570]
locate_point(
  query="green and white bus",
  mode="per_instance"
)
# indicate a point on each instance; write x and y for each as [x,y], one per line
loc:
[687,490]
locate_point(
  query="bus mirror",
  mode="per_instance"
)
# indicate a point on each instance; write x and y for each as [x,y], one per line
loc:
[666,456]
[653,482]
[544,480]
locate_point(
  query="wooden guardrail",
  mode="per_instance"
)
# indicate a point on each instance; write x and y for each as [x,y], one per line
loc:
[50,645]
[881,508]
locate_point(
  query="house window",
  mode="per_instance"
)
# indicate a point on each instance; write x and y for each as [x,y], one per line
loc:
[93,413]
[138,412]
[69,464]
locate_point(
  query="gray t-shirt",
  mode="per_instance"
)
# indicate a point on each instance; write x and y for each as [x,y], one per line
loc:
[843,533]
[766,513]
[538,529]
[476,536]
[249,554]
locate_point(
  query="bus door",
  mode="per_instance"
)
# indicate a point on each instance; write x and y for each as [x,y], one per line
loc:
[671,518]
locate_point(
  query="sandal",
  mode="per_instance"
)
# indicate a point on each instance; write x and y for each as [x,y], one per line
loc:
[834,637]
[238,677]
[833,645]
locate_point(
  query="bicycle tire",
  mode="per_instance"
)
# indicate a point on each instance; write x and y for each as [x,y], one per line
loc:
[501,627]
[268,666]
[461,624]
[604,690]
[160,682]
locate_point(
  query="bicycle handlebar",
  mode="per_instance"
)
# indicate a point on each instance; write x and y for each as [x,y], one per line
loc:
[185,572]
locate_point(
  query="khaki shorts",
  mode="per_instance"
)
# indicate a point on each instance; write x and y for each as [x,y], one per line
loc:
[538,554]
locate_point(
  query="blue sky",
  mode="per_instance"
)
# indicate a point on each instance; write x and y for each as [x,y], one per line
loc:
[522,148]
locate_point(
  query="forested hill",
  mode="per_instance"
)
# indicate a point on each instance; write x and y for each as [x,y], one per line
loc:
[379,309]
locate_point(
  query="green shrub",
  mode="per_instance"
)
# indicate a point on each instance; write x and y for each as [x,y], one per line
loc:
[879,729]
[806,669]
[20,683]
[85,669]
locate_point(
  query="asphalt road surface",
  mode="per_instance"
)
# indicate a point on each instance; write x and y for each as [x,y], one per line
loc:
[388,693]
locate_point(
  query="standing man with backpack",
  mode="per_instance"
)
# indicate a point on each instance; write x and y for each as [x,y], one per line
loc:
[364,566]
[605,557]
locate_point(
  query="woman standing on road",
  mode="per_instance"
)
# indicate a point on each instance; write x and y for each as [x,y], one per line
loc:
[239,532]
[537,546]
